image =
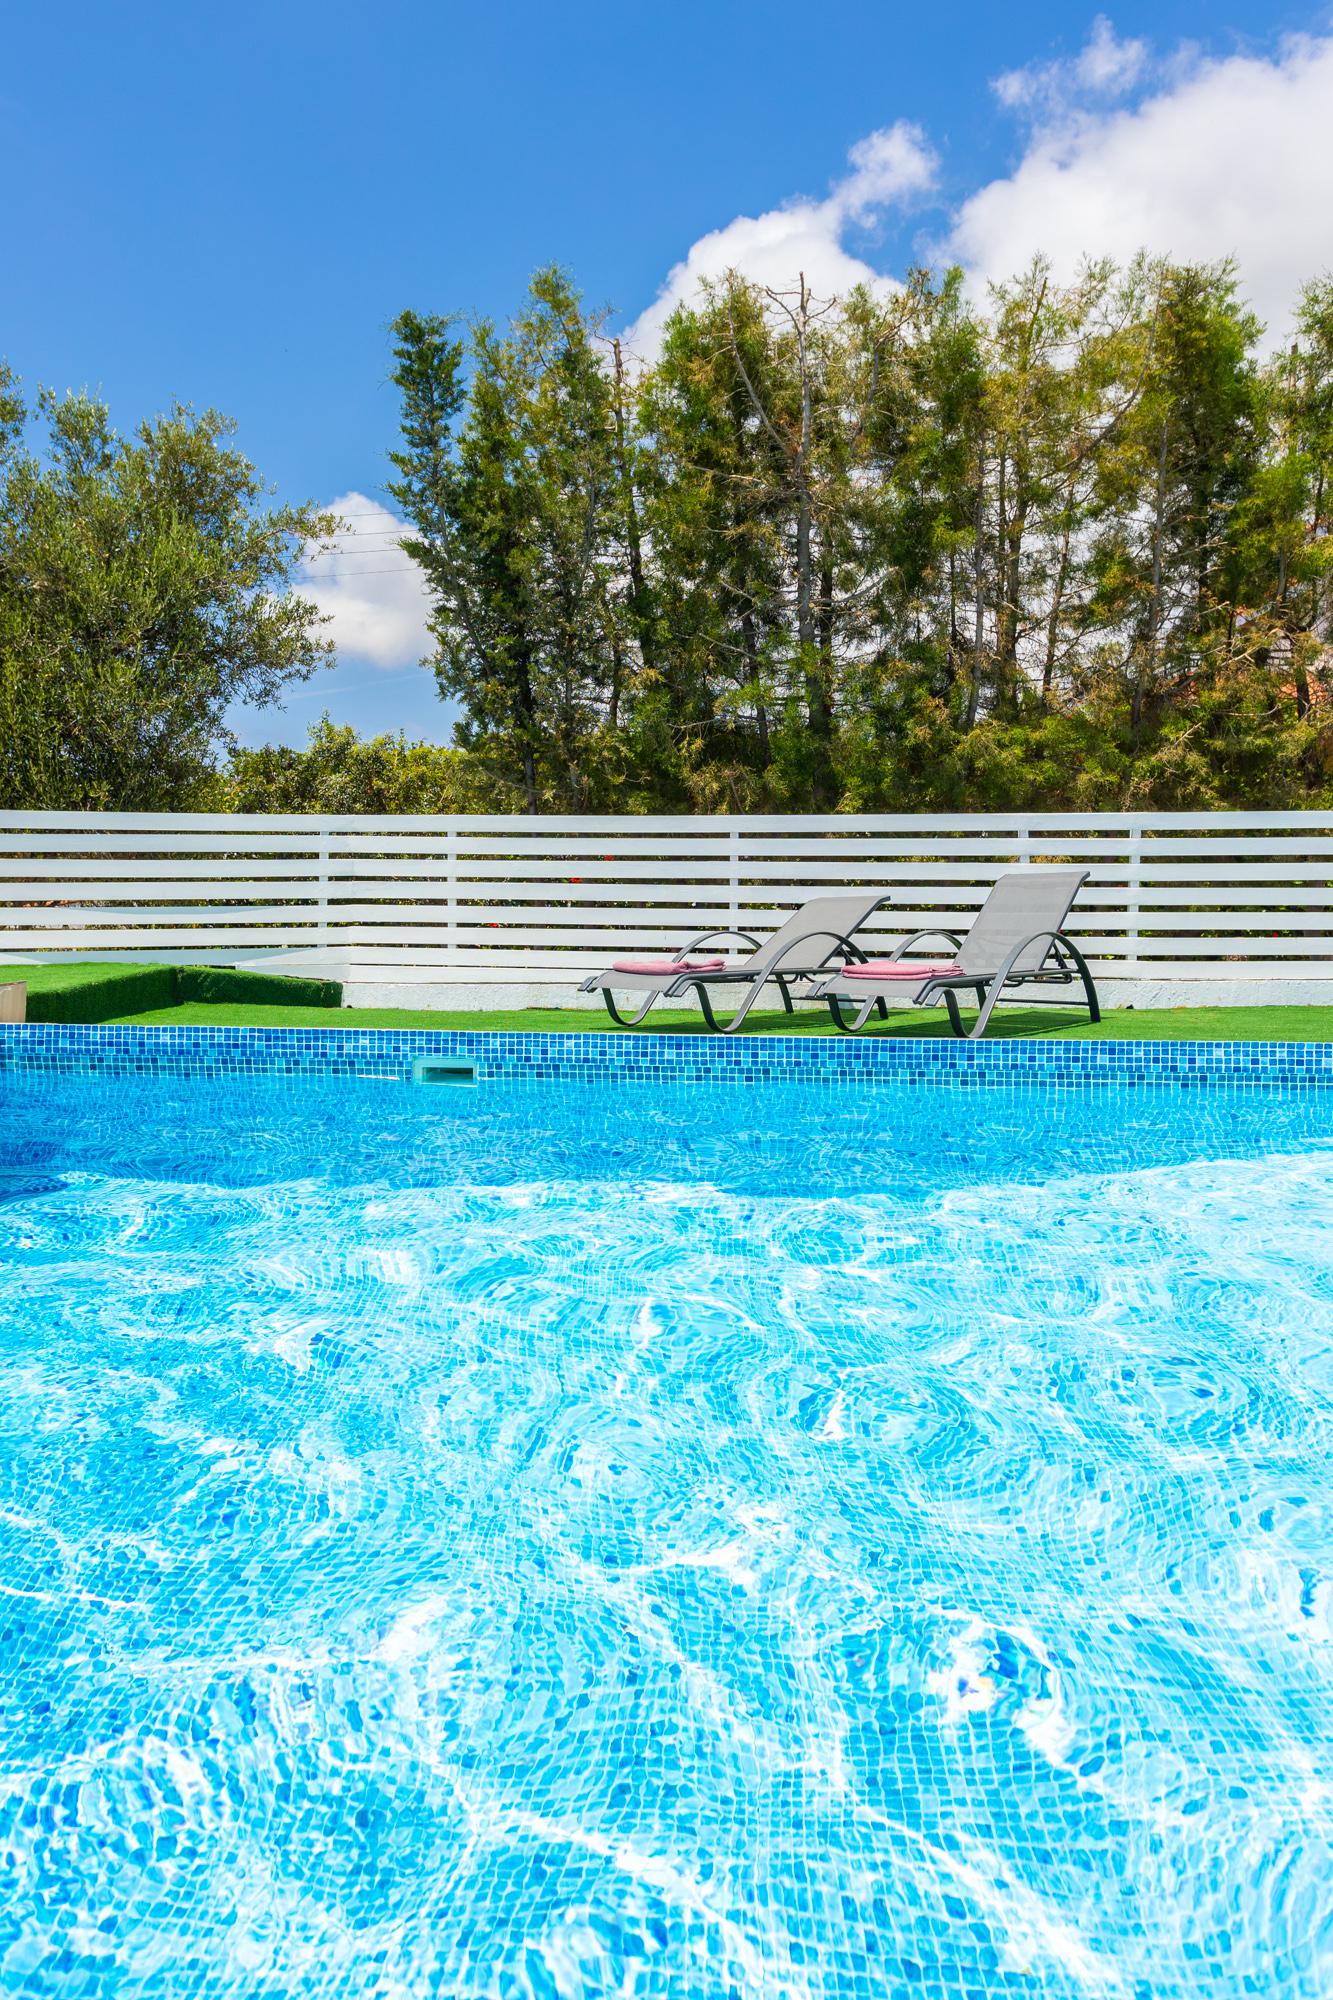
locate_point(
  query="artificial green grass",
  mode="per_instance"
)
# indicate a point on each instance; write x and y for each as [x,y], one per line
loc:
[1177,1024]
[219,996]
[104,990]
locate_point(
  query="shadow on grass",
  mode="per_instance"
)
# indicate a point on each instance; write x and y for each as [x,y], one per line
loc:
[1027,1022]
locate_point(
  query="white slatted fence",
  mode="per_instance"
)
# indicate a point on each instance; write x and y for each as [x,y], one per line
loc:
[1174,899]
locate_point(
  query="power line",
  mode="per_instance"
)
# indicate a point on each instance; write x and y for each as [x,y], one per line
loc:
[406,569]
[328,556]
[362,535]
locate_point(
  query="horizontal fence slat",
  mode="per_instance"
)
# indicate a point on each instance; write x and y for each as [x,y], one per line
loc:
[935,886]
[302,937]
[537,825]
[150,868]
[152,919]
[1102,868]
[92,841]
[296,890]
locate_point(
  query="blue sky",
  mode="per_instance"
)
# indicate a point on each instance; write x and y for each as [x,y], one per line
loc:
[229,205]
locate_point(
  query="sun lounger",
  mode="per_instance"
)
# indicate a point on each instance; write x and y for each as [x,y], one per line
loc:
[1016,939]
[821,930]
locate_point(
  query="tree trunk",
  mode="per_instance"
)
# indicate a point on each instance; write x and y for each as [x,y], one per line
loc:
[640,599]
[753,674]
[978,595]
[1002,641]
[526,707]
[1058,597]
[823,684]
[1013,579]
[617,676]
[805,624]
[1317,530]
[1148,669]
[813,624]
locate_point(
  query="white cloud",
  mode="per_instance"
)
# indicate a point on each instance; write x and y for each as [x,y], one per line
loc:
[372,592]
[1224,157]
[803,235]
[1188,156]
[1107,64]
[1106,67]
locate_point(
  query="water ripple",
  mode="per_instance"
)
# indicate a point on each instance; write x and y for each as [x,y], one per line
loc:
[728,1543]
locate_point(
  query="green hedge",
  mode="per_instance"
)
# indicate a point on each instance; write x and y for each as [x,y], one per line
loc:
[220,983]
[93,992]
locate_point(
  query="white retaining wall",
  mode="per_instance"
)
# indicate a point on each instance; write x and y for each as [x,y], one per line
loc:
[473,911]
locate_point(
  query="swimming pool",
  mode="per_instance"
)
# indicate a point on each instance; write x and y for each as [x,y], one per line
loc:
[647,1539]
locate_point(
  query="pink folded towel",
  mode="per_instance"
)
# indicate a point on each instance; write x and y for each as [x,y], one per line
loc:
[900,968]
[668,968]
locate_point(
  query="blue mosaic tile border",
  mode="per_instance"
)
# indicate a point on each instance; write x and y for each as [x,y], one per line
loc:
[514,1058]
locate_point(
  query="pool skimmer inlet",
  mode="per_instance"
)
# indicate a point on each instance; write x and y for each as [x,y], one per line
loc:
[456,1070]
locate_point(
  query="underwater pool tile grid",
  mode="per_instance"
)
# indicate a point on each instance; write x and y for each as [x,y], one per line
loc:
[516,1057]
[489,1547]
[525,1545]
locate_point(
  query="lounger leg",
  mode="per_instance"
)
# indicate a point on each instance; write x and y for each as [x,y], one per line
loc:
[988,1008]
[1089,990]
[835,1009]
[729,1027]
[855,1026]
[786,996]
[955,1018]
[706,1004]
[634,1019]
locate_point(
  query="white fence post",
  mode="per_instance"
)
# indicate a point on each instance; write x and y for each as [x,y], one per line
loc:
[450,894]
[734,859]
[322,906]
[1133,892]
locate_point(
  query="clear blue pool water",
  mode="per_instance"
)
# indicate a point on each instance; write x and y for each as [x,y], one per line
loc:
[611,1541]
